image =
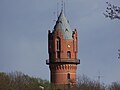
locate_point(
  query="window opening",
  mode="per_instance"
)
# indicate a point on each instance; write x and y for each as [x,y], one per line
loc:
[68,76]
[69,54]
[58,44]
[58,54]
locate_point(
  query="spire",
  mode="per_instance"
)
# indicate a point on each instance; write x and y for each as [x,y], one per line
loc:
[62,24]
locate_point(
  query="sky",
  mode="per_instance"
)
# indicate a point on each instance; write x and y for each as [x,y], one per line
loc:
[24,26]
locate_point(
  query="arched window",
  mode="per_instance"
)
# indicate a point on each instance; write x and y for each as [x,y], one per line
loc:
[58,44]
[68,54]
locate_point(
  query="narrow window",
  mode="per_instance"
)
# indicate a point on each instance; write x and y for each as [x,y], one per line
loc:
[68,76]
[58,54]
[69,54]
[58,44]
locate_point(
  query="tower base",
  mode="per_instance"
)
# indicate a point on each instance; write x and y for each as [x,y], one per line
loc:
[66,87]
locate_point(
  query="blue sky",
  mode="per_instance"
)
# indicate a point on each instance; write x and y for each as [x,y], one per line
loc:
[24,26]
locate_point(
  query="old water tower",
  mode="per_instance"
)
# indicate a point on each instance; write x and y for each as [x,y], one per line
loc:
[62,49]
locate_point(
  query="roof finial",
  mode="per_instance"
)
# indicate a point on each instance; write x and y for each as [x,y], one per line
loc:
[57,9]
[62,5]
[64,8]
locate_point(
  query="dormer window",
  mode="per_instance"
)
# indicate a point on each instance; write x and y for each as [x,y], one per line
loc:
[66,30]
[60,21]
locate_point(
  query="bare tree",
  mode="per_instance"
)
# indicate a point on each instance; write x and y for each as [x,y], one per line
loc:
[85,83]
[114,86]
[112,11]
[20,81]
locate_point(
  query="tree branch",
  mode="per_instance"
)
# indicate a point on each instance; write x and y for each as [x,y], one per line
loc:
[112,11]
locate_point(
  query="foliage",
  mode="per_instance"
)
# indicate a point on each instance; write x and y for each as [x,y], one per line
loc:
[112,11]
[19,81]
[4,81]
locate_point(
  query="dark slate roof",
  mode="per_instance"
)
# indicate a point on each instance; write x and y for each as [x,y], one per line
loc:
[62,24]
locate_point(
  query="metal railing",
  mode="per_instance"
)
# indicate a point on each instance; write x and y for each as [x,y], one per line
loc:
[66,61]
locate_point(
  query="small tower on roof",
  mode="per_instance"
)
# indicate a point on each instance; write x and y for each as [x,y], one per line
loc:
[63,49]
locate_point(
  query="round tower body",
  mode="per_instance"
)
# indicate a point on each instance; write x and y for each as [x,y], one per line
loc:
[62,49]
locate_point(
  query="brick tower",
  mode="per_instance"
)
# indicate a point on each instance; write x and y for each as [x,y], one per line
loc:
[63,49]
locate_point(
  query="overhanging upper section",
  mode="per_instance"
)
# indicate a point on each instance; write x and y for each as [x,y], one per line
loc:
[64,61]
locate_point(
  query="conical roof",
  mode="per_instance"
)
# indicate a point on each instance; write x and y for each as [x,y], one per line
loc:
[62,24]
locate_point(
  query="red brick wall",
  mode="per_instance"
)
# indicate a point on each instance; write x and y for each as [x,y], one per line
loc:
[60,71]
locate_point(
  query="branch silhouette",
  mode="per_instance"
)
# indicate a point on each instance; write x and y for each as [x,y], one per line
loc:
[112,11]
